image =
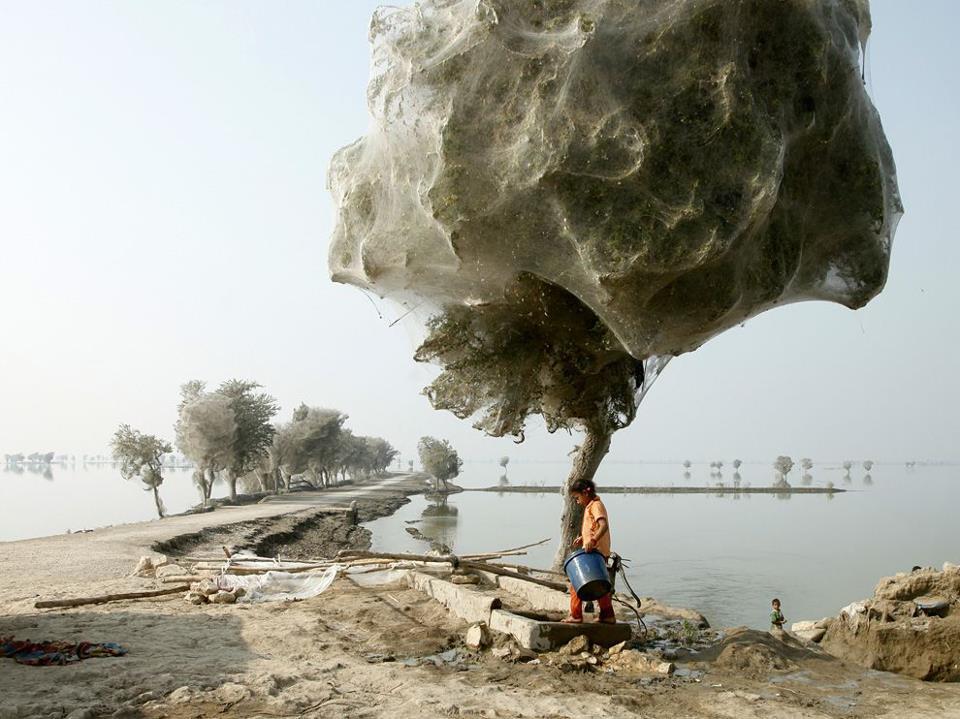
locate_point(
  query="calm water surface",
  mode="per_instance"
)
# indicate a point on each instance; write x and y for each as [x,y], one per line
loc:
[726,556]
[81,496]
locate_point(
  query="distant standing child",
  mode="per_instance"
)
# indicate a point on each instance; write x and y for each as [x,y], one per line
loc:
[776,616]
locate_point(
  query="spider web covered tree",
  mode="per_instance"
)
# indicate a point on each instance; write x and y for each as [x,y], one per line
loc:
[579,191]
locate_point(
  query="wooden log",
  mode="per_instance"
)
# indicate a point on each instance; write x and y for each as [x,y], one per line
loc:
[466,564]
[120,596]
[185,578]
[523,569]
[494,569]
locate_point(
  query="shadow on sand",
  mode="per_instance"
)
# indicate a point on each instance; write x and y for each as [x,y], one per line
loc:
[165,651]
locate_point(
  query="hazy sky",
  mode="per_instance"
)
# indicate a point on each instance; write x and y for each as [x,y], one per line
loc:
[163,216]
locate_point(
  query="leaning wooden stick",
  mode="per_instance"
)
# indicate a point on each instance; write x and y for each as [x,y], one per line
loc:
[465,564]
[50,603]
[506,552]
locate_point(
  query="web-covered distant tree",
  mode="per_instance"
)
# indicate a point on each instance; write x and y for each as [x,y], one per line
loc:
[141,456]
[783,465]
[439,459]
[314,436]
[252,412]
[205,433]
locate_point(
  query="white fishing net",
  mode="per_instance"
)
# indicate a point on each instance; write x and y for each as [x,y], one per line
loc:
[678,166]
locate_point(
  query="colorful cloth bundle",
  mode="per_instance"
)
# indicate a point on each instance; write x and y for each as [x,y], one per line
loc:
[42,654]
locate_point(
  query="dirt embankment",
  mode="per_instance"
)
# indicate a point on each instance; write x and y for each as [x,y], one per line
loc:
[911,626]
[318,533]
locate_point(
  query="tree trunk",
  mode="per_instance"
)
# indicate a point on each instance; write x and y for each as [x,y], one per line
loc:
[596,444]
[158,501]
[232,484]
[208,486]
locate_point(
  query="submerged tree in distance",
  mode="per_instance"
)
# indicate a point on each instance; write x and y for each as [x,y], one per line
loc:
[737,464]
[141,455]
[783,465]
[868,464]
[504,461]
[686,464]
[439,459]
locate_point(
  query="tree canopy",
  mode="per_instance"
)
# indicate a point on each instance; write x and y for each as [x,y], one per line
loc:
[141,455]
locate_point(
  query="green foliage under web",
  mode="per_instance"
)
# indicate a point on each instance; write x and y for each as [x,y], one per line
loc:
[540,351]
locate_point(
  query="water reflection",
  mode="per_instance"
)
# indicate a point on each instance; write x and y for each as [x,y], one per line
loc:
[867,480]
[42,469]
[438,522]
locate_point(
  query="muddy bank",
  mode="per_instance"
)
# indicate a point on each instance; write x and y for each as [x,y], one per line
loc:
[311,533]
[911,625]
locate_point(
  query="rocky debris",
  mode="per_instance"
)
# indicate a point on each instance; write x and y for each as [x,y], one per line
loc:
[147,566]
[641,662]
[649,605]
[911,625]
[616,649]
[208,591]
[810,631]
[170,570]
[464,579]
[477,636]
[578,644]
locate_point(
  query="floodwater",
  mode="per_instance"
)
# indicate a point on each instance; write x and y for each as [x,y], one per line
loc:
[37,502]
[726,556]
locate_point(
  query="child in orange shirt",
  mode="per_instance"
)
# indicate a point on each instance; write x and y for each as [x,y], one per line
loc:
[594,535]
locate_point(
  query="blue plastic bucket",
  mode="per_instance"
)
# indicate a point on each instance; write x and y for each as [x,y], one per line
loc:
[587,572]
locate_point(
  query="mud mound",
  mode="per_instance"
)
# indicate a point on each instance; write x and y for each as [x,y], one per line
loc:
[756,654]
[910,626]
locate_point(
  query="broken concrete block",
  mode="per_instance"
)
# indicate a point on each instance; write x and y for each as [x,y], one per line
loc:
[223,597]
[477,636]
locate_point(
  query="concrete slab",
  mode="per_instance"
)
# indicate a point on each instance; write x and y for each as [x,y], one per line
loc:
[468,603]
[547,636]
[542,599]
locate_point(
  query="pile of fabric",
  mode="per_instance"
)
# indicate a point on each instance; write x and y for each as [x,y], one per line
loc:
[47,653]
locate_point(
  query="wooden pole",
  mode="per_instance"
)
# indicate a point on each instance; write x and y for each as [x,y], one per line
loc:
[78,602]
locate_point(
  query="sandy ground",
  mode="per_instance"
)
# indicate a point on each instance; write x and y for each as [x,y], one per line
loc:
[367,651]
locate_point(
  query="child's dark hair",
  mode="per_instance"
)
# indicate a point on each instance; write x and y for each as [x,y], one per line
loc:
[584,485]
[775,601]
